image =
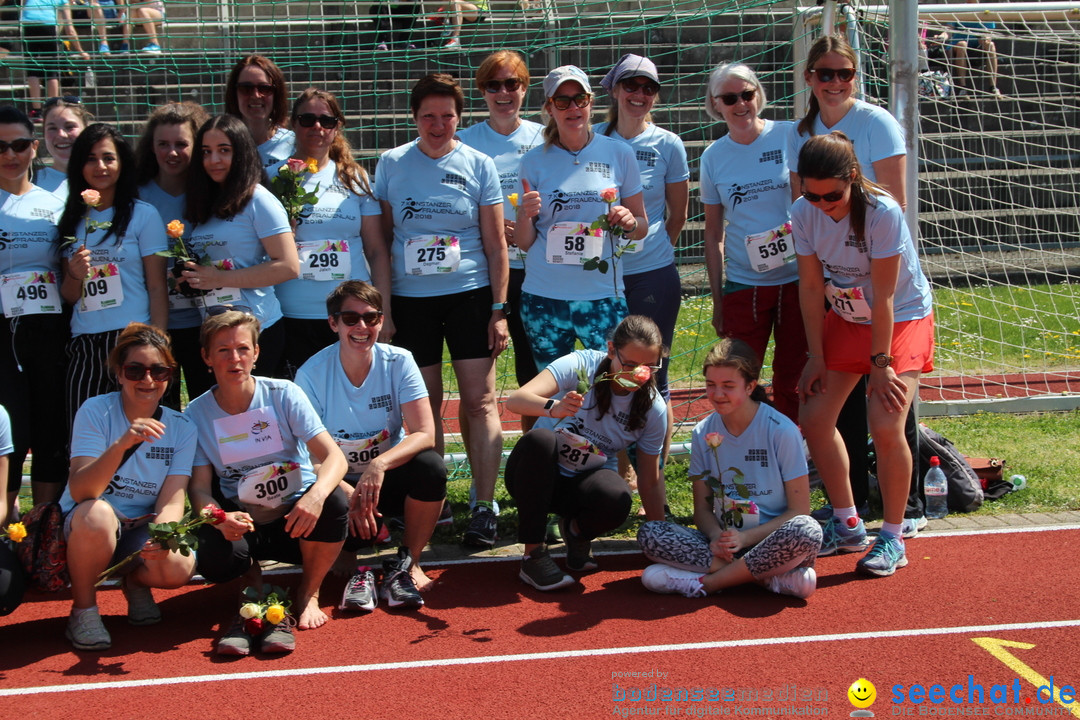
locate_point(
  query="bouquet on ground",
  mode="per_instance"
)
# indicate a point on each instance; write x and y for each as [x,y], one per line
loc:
[731,510]
[180,254]
[288,187]
[173,536]
[270,606]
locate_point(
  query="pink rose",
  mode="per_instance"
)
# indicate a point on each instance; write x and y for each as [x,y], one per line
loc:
[714,439]
[609,196]
[91,197]
[296,164]
[641,374]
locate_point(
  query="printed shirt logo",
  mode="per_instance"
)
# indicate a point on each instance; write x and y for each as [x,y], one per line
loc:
[646,156]
[454,179]
[773,156]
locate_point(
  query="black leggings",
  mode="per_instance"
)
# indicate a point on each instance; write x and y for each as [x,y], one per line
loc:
[598,500]
[220,560]
[423,478]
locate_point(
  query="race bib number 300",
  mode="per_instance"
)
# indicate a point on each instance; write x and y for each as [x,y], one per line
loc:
[270,485]
[29,293]
[432,255]
[572,243]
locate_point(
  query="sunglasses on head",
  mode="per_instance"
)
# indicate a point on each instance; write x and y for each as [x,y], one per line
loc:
[562,102]
[827,74]
[137,371]
[827,197]
[222,309]
[250,88]
[351,317]
[309,119]
[646,86]
[67,100]
[732,98]
[511,84]
[18,145]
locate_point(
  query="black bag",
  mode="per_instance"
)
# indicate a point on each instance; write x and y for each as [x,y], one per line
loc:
[965,488]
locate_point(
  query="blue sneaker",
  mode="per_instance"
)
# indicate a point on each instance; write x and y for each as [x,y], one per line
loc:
[103,48]
[837,539]
[152,49]
[883,559]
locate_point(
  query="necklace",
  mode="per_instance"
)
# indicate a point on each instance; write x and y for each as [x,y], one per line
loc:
[574,154]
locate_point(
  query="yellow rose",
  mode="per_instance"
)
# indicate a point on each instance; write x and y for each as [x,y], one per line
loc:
[16,532]
[513,198]
[275,614]
[312,165]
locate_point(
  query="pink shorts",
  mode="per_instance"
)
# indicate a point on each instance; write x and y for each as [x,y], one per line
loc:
[847,345]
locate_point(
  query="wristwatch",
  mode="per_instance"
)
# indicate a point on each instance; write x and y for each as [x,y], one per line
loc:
[504,306]
[548,405]
[881,360]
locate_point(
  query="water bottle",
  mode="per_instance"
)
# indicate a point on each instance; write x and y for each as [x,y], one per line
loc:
[936,490]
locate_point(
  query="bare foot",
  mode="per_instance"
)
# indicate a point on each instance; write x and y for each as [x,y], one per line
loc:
[422,581]
[312,615]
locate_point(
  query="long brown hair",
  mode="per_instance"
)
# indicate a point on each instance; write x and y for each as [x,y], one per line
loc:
[182,113]
[280,110]
[205,199]
[642,330]
[349,172]
[832,156]
[823,46]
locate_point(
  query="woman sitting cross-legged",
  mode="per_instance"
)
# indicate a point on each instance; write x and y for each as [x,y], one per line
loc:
[263,441]
[130,463]
[751,494]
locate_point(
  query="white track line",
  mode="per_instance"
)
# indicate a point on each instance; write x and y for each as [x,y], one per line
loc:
[558,655]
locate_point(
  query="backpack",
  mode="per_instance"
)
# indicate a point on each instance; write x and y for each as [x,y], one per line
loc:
[43,552]
[965,488]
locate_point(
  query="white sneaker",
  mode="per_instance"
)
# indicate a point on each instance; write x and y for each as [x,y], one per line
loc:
[87,632]
[911,526]
[665,579]
[800,582]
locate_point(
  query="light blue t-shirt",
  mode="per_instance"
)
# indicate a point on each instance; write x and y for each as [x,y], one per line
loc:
[297,424]
[353,413]
[110,257]
[751,182]
[277,149]
[847,261]
[27,245]
[570,196]
[506,151]
[237,240]
[432,199]
[609,434]
[769,452]
[335,219]
[51,179]
[41,12]
[6,448]
[171,207]
[134,489]
[875,134]
[661,159]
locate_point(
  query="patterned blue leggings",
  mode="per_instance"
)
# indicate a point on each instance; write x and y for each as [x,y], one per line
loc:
[793,544]
[553,325]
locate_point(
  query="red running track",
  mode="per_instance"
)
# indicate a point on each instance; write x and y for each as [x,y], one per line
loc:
[488,647]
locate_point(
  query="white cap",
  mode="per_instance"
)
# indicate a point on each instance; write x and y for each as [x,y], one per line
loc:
[562,74]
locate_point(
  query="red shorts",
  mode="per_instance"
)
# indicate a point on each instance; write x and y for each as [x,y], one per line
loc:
[847,345]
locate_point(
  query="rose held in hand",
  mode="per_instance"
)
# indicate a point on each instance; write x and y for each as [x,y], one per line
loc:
[295,164]
[714,439]
[609,196]
[175,229]
[91,197]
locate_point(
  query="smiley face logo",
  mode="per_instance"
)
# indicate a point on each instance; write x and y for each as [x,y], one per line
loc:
[862,693]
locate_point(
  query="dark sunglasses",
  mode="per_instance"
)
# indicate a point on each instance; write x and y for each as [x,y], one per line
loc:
[137,371]
[562,102]
[309,119]
[249,88]
[19,145]
[511,85]
[222,309]
[646,86]
[351,317]
[67,100]
[732,98]
[827,74]
[827,197]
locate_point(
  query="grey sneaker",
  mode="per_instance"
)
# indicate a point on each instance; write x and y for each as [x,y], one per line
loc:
[665,579]
[142,610]
[578,550]
[540,571]
[360,591]
[279,638]
[800,582]
[87,632]
[398,588]
[911,526]
[483,528]
[235,641]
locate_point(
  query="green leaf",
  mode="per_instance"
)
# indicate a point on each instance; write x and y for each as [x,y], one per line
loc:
[603,264]
[592,263]
[743,491]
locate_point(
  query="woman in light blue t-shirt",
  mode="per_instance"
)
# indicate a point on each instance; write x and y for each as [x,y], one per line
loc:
[112,272]
[240,232]
[257,93]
